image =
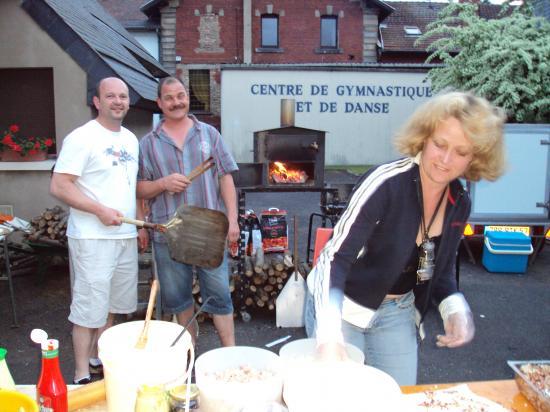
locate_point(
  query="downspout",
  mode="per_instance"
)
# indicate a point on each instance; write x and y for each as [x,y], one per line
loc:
[247,31]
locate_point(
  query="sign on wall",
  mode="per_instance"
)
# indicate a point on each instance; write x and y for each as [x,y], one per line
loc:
[359,110]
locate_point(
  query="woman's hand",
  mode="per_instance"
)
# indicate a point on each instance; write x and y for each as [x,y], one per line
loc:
[332,351]
[459,330]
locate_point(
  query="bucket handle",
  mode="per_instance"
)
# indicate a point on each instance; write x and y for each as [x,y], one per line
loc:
[507,252]
[191,320]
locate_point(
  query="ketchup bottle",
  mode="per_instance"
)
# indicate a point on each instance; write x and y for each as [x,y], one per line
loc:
[51,391]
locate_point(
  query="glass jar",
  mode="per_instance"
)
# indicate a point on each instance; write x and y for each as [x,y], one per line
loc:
[178,398]
[152,399]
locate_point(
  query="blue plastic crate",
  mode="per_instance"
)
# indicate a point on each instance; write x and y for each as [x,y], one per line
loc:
[506,252]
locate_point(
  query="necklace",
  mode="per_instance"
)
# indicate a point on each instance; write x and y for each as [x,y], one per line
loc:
[426,261]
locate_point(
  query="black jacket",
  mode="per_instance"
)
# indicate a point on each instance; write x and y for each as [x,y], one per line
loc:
[371,242]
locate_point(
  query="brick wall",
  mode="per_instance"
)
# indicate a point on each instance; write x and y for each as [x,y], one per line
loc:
[209,31]
[299,31]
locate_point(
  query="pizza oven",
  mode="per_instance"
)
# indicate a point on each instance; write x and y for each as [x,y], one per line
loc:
[287,157]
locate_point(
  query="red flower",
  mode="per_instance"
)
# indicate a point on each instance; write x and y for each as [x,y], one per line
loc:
[7,139]
[37,145]
[48,142]
[32,151]
[16,147]
[14,128]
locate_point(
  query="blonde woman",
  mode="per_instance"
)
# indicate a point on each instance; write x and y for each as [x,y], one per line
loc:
[393,250]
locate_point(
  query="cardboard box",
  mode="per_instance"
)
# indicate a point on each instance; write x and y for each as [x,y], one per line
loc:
[506,252]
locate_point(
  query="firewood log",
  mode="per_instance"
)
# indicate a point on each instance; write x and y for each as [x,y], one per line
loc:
[248,271]
[287,259]
[277,261]
[259,262]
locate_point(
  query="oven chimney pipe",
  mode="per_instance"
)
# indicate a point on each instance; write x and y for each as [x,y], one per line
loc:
[287,112]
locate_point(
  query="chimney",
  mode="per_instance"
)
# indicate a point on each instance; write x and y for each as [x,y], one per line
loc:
[287,112]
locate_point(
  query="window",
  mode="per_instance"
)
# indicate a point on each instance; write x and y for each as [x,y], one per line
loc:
[329,32]
[199,90]
[28,101]
[412,31]
[270,30]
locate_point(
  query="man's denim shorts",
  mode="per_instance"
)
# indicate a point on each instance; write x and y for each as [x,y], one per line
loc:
[176,283]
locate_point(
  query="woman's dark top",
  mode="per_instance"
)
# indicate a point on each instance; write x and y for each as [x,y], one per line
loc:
[407,279]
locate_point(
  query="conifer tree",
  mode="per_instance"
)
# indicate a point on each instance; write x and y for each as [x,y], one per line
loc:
[506,60]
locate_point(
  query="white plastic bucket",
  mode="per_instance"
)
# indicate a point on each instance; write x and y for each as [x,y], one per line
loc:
[126,368]
[223,396]
[304,349]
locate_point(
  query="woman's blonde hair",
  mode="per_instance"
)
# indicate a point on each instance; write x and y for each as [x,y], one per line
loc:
[482,123]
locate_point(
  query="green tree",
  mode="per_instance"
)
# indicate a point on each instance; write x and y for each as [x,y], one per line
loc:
[506,60]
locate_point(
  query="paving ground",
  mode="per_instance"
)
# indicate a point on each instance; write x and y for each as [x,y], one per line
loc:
[512,314]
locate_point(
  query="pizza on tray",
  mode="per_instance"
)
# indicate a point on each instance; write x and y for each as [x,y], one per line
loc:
[455,399]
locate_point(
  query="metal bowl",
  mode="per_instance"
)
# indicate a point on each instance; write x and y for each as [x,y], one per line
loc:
[539,397]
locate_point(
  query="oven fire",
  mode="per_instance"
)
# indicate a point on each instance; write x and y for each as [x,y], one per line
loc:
[281,173]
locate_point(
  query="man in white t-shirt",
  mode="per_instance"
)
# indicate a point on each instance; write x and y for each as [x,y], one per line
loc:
[95,175]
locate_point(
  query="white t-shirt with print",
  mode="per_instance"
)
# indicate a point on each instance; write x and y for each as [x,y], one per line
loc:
[107,164]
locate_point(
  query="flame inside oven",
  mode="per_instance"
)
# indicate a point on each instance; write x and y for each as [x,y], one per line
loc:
[282,173]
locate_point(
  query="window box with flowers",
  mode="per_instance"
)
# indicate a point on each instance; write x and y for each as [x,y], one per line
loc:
[15,148]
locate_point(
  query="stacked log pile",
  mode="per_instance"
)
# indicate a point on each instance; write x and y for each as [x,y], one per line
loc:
[50,227]
[263,278]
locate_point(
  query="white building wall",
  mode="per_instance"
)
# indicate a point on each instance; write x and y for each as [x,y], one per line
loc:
[360,110]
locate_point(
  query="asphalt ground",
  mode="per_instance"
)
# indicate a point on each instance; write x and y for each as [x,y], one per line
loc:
[512,312]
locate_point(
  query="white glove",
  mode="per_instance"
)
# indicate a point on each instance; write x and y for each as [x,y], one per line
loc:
[458,322]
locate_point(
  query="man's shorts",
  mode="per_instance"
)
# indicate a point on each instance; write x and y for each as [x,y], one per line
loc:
[104,274]
[176,283]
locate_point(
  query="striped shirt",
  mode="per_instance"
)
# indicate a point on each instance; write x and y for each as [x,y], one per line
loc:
[159,156]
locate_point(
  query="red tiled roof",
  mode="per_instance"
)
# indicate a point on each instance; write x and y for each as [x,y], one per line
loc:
[418,14]
[125,11]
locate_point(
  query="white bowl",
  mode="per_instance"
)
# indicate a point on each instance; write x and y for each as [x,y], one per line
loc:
[304,349]
[341,386]
[222,396]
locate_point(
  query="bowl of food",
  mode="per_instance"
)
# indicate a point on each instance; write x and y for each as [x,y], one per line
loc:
[533,381]
[234,378]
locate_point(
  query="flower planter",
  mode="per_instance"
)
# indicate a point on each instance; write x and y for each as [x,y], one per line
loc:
[12,156]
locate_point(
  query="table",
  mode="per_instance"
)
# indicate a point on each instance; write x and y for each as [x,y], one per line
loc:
[504,392]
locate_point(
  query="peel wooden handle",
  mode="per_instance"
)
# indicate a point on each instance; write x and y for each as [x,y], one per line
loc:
[296,260]
[142,340]
[86,395]
[140,223]
[200,169]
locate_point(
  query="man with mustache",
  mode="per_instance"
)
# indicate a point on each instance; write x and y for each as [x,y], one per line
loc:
[167,155]
[95,174]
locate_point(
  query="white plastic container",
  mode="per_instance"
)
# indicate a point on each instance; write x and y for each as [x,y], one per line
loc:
[218,395]
[304,349]
[126,368]
[341,386]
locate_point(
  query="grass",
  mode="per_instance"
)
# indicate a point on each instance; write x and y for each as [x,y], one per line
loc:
[355,169]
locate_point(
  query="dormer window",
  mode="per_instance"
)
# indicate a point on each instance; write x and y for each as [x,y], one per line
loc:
[412,31]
